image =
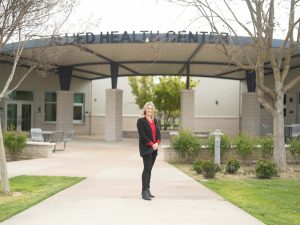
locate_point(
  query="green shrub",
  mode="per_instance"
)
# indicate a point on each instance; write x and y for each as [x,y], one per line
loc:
[186,144]
[267,147]
[209,169]
[14,142]
[294,147]
[225,144]
[197,166]
[265,169]
[232,166]
[244,146]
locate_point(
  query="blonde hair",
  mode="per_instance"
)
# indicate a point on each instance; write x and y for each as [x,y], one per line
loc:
[145,107]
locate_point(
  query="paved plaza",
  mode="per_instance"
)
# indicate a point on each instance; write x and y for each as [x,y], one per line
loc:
[110,194]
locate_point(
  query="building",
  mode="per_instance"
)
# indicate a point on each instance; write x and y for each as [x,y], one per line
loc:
[88,90]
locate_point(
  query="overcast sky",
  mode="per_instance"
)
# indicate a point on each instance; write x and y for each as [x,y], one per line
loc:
[134,15]
[137,15]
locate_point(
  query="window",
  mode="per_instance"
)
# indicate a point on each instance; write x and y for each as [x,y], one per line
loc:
[50,106]
[21,95]
[78,108]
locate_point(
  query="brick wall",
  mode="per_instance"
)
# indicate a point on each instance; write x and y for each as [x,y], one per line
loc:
[187,109]
[250,114]
[64,110]
[113,115]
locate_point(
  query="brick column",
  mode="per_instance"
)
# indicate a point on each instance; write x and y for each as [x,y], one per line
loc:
[113,115]
[64,110]
[187,109]
[39,119]
[250,114]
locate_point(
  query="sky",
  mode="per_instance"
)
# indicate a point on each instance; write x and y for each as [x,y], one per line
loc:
[133,15]
[156,15]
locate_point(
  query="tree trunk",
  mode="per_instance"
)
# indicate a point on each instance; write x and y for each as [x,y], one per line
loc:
[279,153]
[3,166]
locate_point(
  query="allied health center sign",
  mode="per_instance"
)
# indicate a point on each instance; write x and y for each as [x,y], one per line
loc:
[142,37]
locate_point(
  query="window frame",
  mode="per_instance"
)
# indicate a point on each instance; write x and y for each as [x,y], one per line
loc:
[50,103]
[82,105]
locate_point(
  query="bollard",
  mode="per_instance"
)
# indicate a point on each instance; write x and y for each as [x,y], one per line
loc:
[217,135]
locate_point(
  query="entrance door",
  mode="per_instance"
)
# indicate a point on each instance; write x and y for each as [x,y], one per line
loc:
[19,116]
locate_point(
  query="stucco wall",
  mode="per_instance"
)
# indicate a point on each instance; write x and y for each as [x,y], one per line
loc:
[39,84]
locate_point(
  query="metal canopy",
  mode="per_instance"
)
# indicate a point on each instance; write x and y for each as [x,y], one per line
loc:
[92,61]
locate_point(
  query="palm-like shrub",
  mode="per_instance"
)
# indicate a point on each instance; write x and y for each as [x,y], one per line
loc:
[186,144]
[294,147]
[267,147]
[14,142]
[244,146]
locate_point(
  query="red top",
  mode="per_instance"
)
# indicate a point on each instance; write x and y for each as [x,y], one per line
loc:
[153,128]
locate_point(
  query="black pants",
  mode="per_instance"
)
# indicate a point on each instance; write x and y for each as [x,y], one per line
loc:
[148,160]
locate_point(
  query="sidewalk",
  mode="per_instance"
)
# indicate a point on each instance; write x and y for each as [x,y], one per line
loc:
[110,195]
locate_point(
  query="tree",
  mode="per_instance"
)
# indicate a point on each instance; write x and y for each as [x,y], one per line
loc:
[165,95]
[142,89]
[262,20]
[167,98]
[20,22]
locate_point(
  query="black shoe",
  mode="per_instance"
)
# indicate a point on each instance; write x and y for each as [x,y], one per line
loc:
[149,193]
[145,195]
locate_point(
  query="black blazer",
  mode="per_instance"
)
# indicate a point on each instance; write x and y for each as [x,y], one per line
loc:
[145,135]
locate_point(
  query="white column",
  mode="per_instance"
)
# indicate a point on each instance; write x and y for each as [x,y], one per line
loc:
[250,114]
[187,109]
[113,115]
[64,110]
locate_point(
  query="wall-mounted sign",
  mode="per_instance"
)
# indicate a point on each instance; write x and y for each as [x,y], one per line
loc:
[142,37]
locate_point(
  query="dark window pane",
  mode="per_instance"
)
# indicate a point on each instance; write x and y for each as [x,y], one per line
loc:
[78,98]
[50,112]
[21,95]
[12,116]
[26,117]
[50,97]
[77,113]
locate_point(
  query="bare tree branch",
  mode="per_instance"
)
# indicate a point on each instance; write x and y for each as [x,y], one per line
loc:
[238,21]
[260,83]
[12,73]
[20,21]
[259,51]
[269,106]
[292,83]
[21,80]
[228,50]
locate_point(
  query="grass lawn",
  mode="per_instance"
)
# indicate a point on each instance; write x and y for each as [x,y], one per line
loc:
[274,202]
[30,190]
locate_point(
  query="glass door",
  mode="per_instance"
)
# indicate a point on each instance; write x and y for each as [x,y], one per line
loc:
[19,116]
[11,116]
[26,116]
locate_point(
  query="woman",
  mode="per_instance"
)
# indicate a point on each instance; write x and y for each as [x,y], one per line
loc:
[149,139]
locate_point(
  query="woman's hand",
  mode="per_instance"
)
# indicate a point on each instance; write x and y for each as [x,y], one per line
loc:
[155,146]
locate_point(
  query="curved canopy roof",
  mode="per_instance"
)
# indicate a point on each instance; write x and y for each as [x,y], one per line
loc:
[197,54]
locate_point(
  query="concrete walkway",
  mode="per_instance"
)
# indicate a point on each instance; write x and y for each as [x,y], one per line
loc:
[111,193]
